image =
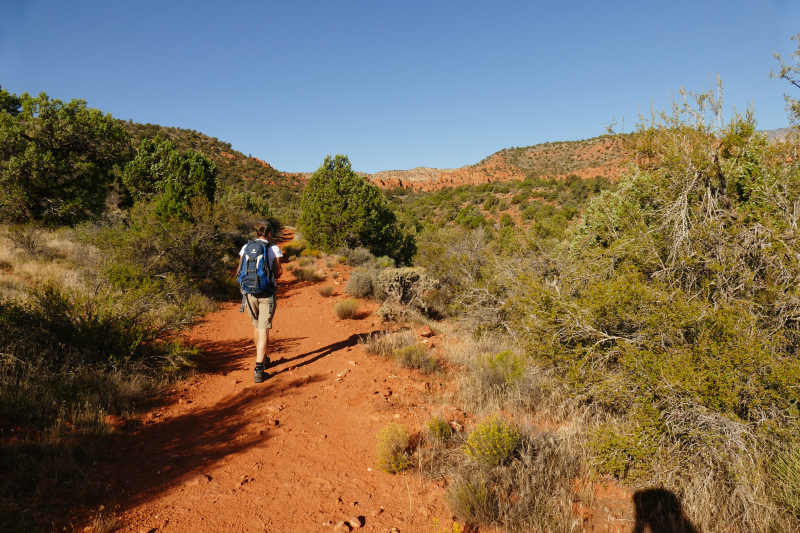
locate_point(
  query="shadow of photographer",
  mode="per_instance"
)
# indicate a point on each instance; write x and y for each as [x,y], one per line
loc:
[660,511]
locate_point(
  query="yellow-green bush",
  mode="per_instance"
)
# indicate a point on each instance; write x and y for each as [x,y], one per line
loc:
[439,428]
[325,291]
[294,247]
[310,252]
[392,448]
[493,441]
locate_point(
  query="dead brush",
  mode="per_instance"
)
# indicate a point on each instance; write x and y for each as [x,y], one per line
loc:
[27,238]
[307,274]
[723,470]
[385,344]
[326,291]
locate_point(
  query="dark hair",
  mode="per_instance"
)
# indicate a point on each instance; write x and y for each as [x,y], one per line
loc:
[263,228]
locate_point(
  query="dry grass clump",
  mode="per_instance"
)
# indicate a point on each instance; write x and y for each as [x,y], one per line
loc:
[392,448]
[306,261]
[330,262]
[385,344]
[785,473]
[531,490]
[500,377]
[416,356]
[325,291]
[307,274]
[335,275]
[346,309]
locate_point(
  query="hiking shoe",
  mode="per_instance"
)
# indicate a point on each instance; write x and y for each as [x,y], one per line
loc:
[260,376]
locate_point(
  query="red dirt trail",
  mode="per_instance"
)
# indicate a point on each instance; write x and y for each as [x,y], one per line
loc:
[293,454]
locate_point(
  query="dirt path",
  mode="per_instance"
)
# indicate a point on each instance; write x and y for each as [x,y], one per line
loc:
[296,453]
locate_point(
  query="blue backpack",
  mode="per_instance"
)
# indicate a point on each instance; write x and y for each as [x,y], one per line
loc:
[255,276]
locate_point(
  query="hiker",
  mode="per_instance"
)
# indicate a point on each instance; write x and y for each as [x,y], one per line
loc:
[261,306]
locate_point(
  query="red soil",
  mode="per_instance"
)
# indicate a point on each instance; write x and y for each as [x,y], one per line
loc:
[296,453]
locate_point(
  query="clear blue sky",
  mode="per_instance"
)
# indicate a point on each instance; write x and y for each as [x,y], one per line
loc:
[393,85]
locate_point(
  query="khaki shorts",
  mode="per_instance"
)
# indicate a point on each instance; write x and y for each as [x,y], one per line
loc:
[261,310]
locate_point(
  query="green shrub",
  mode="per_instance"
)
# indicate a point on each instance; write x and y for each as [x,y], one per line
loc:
[493,441]
[359,284]
[439,428]
[307,274]
[392,446]
[341,259]
[310,252]
[416,356]
[346,309]
[325,291]
[194,246]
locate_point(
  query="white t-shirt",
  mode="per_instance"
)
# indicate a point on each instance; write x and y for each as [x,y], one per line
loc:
[273,252]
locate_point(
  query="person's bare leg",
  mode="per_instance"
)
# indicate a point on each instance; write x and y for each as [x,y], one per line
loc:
[255,336]
[261,344]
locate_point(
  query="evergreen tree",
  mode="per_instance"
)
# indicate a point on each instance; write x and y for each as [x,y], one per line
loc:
[162,174]
[341,209]
[56,158]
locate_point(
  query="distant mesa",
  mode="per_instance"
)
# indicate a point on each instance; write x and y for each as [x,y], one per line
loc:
[603,156]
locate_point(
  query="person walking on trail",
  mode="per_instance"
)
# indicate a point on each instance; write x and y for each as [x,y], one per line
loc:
[261,306]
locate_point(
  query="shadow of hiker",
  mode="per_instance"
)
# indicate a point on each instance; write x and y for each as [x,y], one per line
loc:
[660,511]
[319,353]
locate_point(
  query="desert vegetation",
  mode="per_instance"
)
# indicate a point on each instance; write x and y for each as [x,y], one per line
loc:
[109,249]
[659,328]
[642,329]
